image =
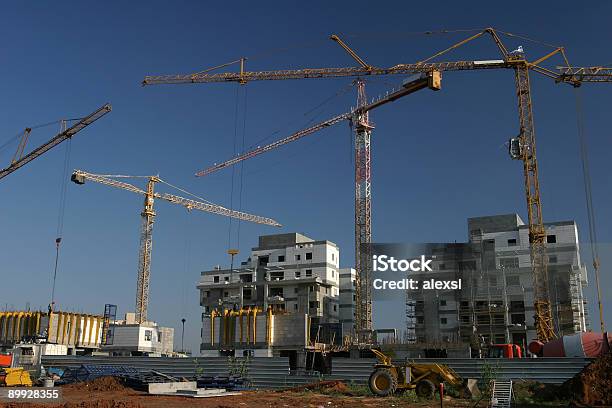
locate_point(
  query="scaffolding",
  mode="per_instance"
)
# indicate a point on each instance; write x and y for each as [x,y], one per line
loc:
[410,333]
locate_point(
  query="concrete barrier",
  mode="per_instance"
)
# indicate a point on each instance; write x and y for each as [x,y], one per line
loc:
[274,372]
[172,387]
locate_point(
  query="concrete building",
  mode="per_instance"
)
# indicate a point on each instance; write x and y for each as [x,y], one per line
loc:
[496,301]
[284,298]
[130,338]
[347,299]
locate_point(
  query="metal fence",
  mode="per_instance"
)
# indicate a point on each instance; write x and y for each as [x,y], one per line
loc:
[274,372]
[544,370]
[262,372]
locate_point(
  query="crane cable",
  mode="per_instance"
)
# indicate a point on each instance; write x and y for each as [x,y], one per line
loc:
[20,133]
[186,266]
[244,117]
[231,206]
[584,158]
[61,210]
[313,113]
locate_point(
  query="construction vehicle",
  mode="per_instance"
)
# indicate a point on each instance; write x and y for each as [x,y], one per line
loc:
[504,351]
[388,378]
[6,360]
[15,377]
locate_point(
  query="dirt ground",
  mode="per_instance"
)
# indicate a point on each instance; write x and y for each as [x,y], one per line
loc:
[250,399]
[109,393]
[593,385]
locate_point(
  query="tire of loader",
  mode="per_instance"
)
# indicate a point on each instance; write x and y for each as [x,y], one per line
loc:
[382,382]
[425,389]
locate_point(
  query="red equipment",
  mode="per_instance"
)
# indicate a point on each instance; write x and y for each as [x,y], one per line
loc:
[6,360]
[504,351]
[589,344]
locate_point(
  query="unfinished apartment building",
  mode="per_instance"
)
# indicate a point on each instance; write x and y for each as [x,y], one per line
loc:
[495,304]
[285,296]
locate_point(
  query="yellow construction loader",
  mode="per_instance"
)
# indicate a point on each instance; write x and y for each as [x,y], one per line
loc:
[387,378]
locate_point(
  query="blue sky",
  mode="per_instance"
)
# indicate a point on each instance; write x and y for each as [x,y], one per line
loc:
[438,158]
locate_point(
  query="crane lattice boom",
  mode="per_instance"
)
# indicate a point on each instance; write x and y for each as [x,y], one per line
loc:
[425,80]
[59,138]
[148,217]
[263,149]
[401,69]
[585,74]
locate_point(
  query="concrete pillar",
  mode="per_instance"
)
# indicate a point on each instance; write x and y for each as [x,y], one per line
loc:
[300,359]
[2,322]
[17,327]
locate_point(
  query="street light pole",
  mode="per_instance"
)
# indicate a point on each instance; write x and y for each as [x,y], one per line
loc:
[183,336]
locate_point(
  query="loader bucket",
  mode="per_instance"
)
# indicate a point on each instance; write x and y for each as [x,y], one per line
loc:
[471,388]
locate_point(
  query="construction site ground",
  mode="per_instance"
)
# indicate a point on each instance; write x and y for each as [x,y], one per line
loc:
[249,399]
[589,388]
[110,393]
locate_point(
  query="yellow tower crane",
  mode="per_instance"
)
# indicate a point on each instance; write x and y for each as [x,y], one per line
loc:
[522,148]
[148,217]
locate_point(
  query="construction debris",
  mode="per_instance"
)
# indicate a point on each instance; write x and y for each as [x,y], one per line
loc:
[188,389]
[88,372]
[593,384]
[172,387]
[330,386]
[99,384]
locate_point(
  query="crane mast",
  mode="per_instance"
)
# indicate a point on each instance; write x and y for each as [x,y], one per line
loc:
[147,219]
[363,217]
[144,255]
[537,231]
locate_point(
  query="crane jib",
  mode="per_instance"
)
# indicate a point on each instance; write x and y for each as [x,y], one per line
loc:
[59,138]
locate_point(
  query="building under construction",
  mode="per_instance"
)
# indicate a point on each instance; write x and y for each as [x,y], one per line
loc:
[78,333]
[496,302]
[290,295]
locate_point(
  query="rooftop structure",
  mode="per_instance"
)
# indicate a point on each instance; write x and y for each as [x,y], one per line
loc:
[129,338]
